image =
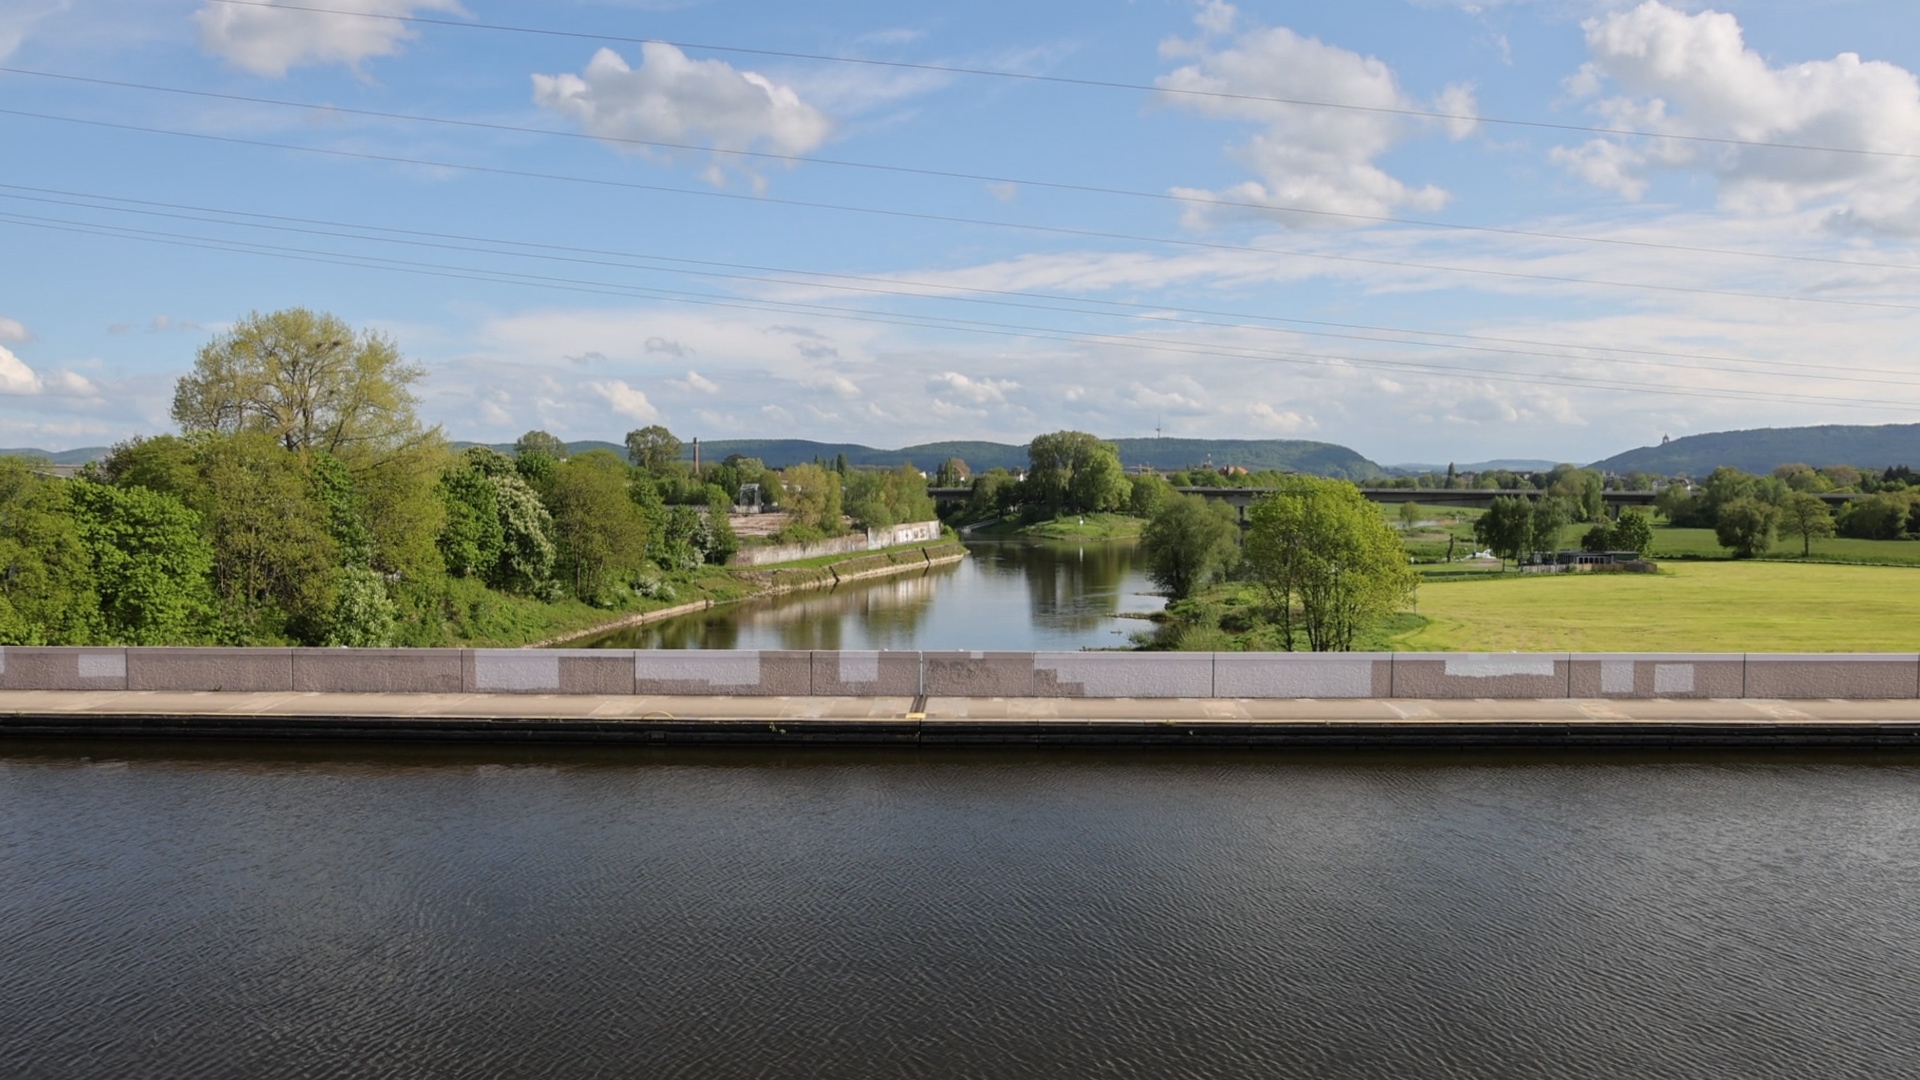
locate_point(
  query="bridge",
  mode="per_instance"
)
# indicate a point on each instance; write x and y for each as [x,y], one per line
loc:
[1467,498]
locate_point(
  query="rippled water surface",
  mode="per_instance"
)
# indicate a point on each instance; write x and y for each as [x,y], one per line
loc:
[174,912]
[1022,596]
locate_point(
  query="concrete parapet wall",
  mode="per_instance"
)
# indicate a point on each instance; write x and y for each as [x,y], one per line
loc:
[865,674]
[1879,676]
[1480,675]
[230,670]
[1123,675]
[1303,675]
[1648,675]
[25,667]
[727,673]
[1837,675]
[379,671]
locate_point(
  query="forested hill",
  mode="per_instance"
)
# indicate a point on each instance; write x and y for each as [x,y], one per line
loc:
[1320,459]
[60,457]
[1761,450]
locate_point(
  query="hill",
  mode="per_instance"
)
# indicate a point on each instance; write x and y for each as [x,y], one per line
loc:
[1317,458]
[1761,450]
[61,457]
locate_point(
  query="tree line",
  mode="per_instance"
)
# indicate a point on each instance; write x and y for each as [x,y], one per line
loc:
[304,502]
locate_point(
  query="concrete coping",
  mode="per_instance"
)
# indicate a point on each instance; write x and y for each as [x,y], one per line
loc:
[975,674]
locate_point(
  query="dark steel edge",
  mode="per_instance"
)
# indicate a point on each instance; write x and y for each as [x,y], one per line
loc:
[964,733]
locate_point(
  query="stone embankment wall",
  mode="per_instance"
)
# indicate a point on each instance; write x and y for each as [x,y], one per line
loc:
[968,674]
[919,532]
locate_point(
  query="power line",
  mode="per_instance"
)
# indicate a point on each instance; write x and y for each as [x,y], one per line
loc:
[1274,209]
[956,219]
[948,324]
[1105,84]
[411,237]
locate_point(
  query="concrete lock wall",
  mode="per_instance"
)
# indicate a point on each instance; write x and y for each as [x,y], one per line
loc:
[966,674]
[917,532]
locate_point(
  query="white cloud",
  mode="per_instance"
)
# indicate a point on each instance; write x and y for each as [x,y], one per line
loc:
[15,376]
[269,42]
[838,385]
[697,383]
[625,400]
[13,330]
[19,380]
[673,98]
[1693,75]
[1287,422]
[1314,159]
[976,391]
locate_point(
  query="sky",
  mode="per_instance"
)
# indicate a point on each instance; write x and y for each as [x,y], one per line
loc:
[1429,230]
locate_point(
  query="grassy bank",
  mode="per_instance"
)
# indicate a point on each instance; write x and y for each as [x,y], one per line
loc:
[1718,606]
[719,585]
[1071,527]
[1688,607]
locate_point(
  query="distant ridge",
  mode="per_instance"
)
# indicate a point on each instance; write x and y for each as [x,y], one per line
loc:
[1761,450]
[1509,464]
[1316,458]
[62,457]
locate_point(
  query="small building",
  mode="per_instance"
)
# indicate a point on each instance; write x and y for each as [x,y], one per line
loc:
[1562,562]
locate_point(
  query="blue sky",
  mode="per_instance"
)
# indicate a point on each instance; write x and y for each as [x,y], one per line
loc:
[1415,278]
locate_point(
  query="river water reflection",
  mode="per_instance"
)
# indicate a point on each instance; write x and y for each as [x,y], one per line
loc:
[277,911]
[1016,596]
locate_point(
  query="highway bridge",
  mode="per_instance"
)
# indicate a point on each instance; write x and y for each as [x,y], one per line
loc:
[1472,498]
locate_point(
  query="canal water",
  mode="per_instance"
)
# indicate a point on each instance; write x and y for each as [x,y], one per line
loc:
[1017,596]
[177,911]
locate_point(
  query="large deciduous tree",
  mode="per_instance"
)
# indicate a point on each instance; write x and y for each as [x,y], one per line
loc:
[812,496]
[1746,526]
[600,534]
[1331,565]
[1074,472]
[1188,543]
[653,449]
[1806,516]
[307,380]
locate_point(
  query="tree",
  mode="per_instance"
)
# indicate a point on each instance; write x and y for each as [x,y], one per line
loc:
[150,563]
[1633,532]
[599,533]
[1551,514]
[306,380]
[876,500]
[1598,538]
[1074,472]
[274,553]
[1506,529]
[653,449]
[539,442]
[46,580]
[812,496]
[1806,516]
[1746,526]
[1877,517]
[1409,515]
[1329,563]
[952,472]
[1150,494]
[1190,541]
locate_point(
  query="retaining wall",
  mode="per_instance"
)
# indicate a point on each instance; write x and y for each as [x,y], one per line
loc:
[916,532]
[1877,676]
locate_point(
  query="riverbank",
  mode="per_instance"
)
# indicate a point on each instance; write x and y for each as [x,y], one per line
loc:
[1071,527]
[959,722]
[752,583]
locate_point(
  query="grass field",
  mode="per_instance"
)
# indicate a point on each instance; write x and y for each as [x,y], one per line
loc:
[1671,543]
[1688,607]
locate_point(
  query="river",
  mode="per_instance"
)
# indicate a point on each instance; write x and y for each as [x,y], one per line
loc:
[1009,595]
[277,911]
